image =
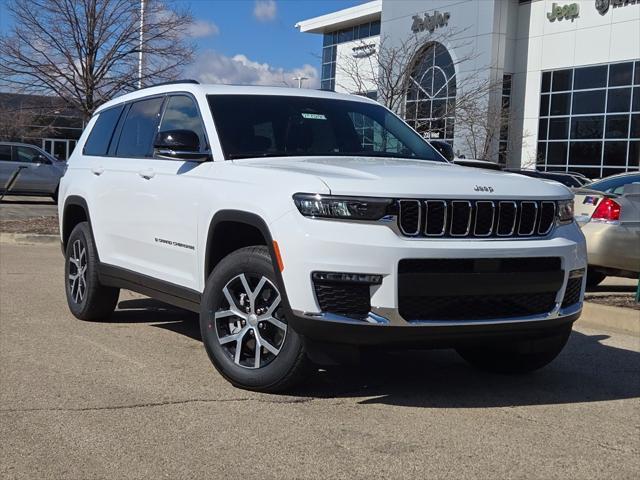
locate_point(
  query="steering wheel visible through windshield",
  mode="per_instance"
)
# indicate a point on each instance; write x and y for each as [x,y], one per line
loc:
[251,126]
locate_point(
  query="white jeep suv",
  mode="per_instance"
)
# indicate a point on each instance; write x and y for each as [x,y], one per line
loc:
[301,224]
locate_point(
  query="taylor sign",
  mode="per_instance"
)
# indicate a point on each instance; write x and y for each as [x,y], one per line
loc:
[560,12]
[429,22]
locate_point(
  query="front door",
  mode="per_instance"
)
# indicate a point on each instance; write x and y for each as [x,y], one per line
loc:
[167,198]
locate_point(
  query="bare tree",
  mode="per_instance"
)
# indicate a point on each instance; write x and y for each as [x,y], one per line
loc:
[389,68]
[86,51]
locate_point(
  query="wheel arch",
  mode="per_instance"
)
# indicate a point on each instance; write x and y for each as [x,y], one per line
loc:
[239,222]
[75,211]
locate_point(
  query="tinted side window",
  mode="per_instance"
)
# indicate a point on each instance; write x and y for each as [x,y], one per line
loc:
[139,128]
[26,155]
[5,153]
[100,136]
[182,113]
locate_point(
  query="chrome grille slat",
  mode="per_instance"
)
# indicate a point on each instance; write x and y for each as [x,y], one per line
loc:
[543,206]
[428,205]
[478,204]
[533,222]
[502,207]
[475,218]
[464,208]
[403,223]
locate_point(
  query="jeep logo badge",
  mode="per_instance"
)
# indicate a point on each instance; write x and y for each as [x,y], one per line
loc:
[482,188]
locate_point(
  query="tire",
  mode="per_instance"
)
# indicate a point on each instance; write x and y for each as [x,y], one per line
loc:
[594,278]
[230,339]
[518,357]
[88,299]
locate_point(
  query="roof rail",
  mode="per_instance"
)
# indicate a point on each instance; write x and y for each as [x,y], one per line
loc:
[172,82]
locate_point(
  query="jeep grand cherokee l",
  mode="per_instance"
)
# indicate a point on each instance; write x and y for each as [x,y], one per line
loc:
[295,221]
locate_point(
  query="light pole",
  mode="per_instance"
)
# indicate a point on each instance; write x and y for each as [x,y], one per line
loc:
[141,39]
[300,79]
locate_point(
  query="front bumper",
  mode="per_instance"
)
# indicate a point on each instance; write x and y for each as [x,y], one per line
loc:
[309,245]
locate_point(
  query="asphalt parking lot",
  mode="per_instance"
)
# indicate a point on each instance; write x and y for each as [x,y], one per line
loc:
[138,398]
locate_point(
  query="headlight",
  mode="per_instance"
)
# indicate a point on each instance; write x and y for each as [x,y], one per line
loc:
[348,208]
[565,212]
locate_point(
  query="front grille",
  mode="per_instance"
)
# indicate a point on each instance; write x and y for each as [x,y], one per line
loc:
[476,218]
[572,292]
[341,298]
[475,307]
[478,288]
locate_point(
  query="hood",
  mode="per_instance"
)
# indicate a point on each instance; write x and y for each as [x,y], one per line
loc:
[391,177]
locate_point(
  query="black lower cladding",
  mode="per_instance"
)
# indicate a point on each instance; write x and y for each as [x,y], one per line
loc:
[572,293]
[477,289]
[343,298]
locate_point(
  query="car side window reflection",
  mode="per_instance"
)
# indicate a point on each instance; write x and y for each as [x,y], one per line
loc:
[182,113]
[27,155]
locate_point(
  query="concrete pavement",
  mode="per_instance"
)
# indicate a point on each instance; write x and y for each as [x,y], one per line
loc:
[19,208]
[138,398]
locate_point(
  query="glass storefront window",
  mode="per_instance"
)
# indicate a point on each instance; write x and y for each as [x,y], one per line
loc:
[597,109]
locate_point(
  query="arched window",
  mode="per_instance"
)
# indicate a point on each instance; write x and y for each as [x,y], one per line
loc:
[431,92]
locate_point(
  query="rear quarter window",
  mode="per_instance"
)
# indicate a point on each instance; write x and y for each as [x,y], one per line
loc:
[100,136]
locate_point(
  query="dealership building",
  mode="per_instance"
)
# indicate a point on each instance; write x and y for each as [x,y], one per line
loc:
[547,84]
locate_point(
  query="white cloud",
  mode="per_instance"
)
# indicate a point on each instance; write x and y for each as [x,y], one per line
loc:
[213,67]
[265,10]
[202,28]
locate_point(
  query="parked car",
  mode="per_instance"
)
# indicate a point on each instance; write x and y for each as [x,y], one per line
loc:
[295,237]
[570,180]
[39,173]
[609,213]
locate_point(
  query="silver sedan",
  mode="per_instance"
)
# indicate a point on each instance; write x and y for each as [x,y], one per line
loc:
[28,170]
[609,213]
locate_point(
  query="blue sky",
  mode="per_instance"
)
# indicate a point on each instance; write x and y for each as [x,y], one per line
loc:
[250,41]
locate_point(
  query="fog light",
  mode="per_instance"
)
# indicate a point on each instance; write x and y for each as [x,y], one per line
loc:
[347,277]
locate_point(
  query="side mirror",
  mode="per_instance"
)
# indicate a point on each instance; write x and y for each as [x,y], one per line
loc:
[42,159]
[179,145]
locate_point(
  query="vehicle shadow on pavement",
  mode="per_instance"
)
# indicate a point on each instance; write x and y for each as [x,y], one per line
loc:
[586,371]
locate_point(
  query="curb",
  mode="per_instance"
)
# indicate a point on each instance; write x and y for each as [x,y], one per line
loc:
[28,238]
[624,320]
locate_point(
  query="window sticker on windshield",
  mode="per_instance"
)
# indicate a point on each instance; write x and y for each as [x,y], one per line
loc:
[314,116]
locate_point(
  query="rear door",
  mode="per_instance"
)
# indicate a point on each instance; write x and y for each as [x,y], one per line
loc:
[120,220]
[39,176]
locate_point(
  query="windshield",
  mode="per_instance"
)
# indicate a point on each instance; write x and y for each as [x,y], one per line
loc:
[252,126]
[614,184]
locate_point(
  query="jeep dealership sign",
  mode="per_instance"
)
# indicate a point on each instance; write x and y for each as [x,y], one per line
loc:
[560,12]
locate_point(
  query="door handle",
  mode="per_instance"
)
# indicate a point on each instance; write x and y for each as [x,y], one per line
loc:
[147,174]
[97,170]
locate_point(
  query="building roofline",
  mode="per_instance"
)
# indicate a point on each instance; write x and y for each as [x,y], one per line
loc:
[347,17]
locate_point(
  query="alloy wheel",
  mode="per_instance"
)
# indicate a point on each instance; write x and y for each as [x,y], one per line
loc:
[78,272]
[250,328]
